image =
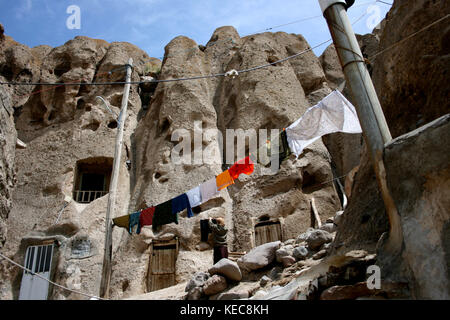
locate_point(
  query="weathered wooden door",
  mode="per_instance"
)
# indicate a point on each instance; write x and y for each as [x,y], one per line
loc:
[38,259]
[267,232]
[163,260]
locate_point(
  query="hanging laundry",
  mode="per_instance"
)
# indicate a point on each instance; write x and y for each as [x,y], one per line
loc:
[195,197]
[245,166]
[134,220]
[164,215]
[278,148]
[204,230]
[208,189]
[180,203]
[283,144]
[333,114]
[223,180]
[123,221]
[146,217]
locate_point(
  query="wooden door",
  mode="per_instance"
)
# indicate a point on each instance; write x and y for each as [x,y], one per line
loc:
[163,260]
[267,232]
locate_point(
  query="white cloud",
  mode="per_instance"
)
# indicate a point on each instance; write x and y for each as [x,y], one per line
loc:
[24,9]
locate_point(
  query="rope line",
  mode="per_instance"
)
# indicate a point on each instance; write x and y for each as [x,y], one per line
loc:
[410,36]
[54,283]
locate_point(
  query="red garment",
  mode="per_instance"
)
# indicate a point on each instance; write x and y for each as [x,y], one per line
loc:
[242,166]
[146,217]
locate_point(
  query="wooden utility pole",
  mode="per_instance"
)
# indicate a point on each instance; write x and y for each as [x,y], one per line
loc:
[315,214]
[107,257]
[375,130]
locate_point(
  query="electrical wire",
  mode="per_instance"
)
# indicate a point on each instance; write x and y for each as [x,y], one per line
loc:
[49,281]
[223,74]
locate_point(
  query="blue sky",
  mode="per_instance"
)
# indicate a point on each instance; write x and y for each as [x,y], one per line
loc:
[151,24]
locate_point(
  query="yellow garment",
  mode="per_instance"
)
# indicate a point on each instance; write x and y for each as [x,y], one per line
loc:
[223,180]
[122,221]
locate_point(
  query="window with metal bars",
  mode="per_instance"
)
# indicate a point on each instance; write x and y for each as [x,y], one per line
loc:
[38,258]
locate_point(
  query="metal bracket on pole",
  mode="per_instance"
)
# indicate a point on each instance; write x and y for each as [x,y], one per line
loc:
[324,4]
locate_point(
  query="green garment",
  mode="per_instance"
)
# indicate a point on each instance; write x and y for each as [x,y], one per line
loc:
[219,234]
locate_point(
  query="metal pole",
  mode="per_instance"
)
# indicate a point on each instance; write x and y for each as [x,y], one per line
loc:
[107,257]
[375,130]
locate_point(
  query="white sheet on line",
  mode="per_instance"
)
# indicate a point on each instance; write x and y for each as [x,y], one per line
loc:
[333,114]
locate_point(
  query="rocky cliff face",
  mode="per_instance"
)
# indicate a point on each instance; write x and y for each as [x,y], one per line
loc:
[7,169]
[8,137]
[270,98]
[64,126]
[67,129]
[409,80]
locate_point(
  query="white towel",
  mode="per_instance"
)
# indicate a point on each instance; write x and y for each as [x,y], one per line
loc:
[194,196]
[333,114]
[208,189]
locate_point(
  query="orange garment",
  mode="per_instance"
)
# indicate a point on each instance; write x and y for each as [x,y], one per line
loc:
[242,166]
[223,180]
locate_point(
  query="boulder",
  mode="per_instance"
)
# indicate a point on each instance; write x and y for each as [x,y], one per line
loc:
[259,257]
[287,261]
[320,254]
[264,280]
[289,242]
[302,237]
[214,285]
[347,292]
[338,217]
[196,293]
[300,253]
[198,280]
[317,238]
[259,295]
[232,295]
[280,253]
[226,268]
[329,227]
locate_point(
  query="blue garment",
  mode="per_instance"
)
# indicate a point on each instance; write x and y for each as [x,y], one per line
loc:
[134,220]
[180,203]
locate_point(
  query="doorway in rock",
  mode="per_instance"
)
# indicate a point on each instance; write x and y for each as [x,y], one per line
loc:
[38,260]
[162,264]
[267,230]
[92,178]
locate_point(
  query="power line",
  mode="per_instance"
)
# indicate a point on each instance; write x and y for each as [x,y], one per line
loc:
[224,74]
[410,36]
[176,79]
[271,28]
[49,281]
[389,4]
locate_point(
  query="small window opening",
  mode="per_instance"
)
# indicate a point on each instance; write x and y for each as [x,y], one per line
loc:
[92,178]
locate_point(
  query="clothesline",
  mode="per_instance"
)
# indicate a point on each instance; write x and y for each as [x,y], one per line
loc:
[334,113]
